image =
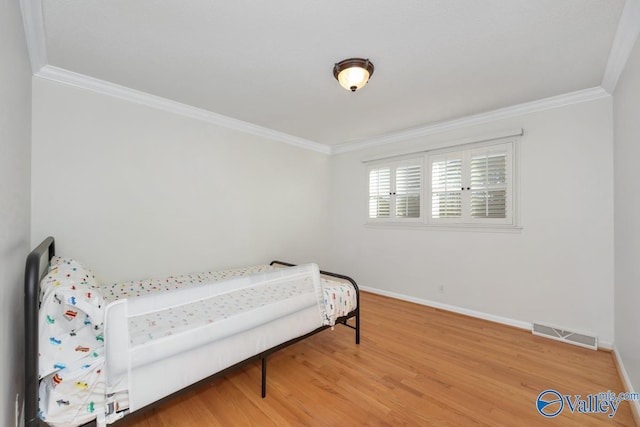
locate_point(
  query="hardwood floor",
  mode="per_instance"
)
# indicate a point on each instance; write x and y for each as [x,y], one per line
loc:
[415,366]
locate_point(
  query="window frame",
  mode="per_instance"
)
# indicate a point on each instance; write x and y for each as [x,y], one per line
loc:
[466,154]
[511,223]
[393,166]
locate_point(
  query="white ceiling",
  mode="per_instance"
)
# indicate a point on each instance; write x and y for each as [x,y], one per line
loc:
[270,63]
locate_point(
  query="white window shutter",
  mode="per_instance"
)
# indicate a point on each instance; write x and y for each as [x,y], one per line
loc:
[470,186]
[489,185]
[380,192]
[407,191]
[446,184]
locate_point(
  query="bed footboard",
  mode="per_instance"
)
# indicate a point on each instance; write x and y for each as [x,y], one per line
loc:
[355,314]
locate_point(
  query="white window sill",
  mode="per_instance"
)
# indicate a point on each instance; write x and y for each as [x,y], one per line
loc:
[486,228]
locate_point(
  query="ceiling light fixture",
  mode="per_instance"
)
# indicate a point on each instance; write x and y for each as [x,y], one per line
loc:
[353,73]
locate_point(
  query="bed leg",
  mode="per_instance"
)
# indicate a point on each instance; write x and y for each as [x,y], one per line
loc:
[264,377]
[358,327]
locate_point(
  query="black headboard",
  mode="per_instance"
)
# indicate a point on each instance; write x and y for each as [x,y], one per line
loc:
[35,270]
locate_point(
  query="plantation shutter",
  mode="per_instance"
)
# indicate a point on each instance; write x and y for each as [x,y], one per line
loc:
[380,192]
[446,184]
[407,191]
[489,185]
[470,186]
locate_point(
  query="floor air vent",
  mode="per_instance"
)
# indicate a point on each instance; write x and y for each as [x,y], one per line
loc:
[563,335]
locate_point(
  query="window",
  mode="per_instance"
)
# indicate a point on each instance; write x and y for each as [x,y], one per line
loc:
[470,186]
[395,191]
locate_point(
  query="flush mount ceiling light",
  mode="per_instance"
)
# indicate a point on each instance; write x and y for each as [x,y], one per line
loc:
[353,73]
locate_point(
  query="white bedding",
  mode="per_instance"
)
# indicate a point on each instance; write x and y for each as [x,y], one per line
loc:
[339,297]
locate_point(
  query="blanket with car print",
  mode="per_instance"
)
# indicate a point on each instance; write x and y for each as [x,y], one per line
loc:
[71,356]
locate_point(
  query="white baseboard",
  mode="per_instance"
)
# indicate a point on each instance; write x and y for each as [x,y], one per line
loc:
[626,383]
[478,314]
[605,345]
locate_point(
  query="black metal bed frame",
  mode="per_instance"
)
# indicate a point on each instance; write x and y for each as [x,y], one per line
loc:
[35,272]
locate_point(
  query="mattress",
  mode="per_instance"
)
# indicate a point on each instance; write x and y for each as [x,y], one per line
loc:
[339,297]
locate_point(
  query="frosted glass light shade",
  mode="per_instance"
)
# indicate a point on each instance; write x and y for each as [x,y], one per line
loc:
[353,73]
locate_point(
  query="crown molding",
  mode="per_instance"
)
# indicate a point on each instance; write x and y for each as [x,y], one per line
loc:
[82,81]
[475,119]
[34,32]
[33,22]
[626,35]
[625,39]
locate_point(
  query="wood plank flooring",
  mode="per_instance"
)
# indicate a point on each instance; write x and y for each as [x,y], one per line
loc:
[415,366]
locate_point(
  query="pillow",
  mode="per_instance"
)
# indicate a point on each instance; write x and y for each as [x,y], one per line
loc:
[75,286]
[71,316]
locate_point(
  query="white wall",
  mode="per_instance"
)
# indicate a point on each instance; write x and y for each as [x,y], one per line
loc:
[15,135]
[558,270]
[627,214]
[135,192]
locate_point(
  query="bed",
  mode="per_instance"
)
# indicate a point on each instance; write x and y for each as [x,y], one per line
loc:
[94,352]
